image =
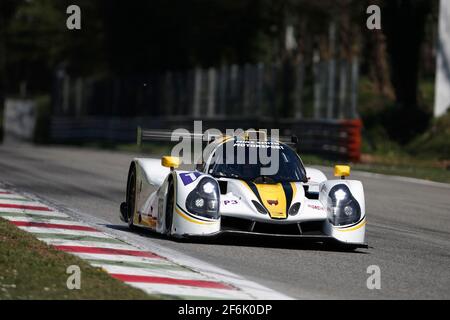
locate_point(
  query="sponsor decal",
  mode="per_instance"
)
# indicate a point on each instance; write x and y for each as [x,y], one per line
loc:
[258,144]
[189,177]
[313,206]
[227,202]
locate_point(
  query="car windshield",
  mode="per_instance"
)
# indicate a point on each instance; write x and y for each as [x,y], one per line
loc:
[249,161]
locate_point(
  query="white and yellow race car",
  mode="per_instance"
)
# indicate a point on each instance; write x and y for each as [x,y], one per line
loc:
[220,196]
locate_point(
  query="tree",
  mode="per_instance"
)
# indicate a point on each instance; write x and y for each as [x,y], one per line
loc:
[7,10]
[403,22]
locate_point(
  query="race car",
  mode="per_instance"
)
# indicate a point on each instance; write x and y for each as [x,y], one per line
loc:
[220,196]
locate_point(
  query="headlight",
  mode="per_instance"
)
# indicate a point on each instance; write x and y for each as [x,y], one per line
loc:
[208,187]
[293,210]
[204,199]
[343,209]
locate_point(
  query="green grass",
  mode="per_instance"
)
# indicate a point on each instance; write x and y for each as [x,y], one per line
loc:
[392,164]
[435,142]
[427,173]
[427,156]
[30,269]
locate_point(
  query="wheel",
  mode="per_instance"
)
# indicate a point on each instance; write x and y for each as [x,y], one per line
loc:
[169,208]
[131,196]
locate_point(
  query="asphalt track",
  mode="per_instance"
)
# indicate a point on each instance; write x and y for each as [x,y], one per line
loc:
[408,228]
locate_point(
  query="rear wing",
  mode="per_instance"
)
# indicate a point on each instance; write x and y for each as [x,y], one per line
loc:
[144,135]
[166,136]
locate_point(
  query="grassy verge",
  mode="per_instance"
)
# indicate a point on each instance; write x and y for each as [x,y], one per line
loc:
[427,156]
[30,269]
[397,165]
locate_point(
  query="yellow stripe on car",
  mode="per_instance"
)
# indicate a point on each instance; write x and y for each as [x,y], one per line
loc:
[274,199]
[359,225]
[148,221]
[294,190]
[192,219]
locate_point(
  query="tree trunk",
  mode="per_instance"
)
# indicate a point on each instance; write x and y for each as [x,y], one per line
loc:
[404,24]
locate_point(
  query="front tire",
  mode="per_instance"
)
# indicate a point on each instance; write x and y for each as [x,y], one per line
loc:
[131,196]
[169,208]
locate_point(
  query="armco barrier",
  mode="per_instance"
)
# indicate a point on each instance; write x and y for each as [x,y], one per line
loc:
[333,138]
[19,119]
[354,141]
[340,139]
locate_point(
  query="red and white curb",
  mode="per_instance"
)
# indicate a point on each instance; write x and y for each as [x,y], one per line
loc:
[154,273]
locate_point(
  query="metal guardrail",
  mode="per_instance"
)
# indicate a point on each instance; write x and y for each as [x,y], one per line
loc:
[339,139]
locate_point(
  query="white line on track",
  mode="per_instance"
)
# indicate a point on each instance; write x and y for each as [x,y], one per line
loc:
[21,202]
[12,196]
[37,230]
[118,258]
[48,221]
[166,273]
[49,214]
[30,211]
[88,244]
[202,293]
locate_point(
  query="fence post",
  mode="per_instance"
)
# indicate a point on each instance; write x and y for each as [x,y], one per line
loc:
[222,90]
[211,92]
[299,89]
[246,88]
[187,93]
[66,94]
[116,84]
[331,70]
[259,89]
[197,92]
[343,88]
[168,94]
[233,89]
[78,97]
[354,88]
[317,84]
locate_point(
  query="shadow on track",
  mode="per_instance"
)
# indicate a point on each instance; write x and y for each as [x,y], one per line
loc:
[257,241]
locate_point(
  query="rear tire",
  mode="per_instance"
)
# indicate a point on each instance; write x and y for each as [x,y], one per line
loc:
[169,208]
[131,196]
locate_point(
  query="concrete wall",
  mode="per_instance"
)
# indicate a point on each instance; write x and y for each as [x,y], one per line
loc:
[442,89]
[19,120]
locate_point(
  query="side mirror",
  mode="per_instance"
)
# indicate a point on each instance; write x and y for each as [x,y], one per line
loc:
[170,162]
[341,171]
